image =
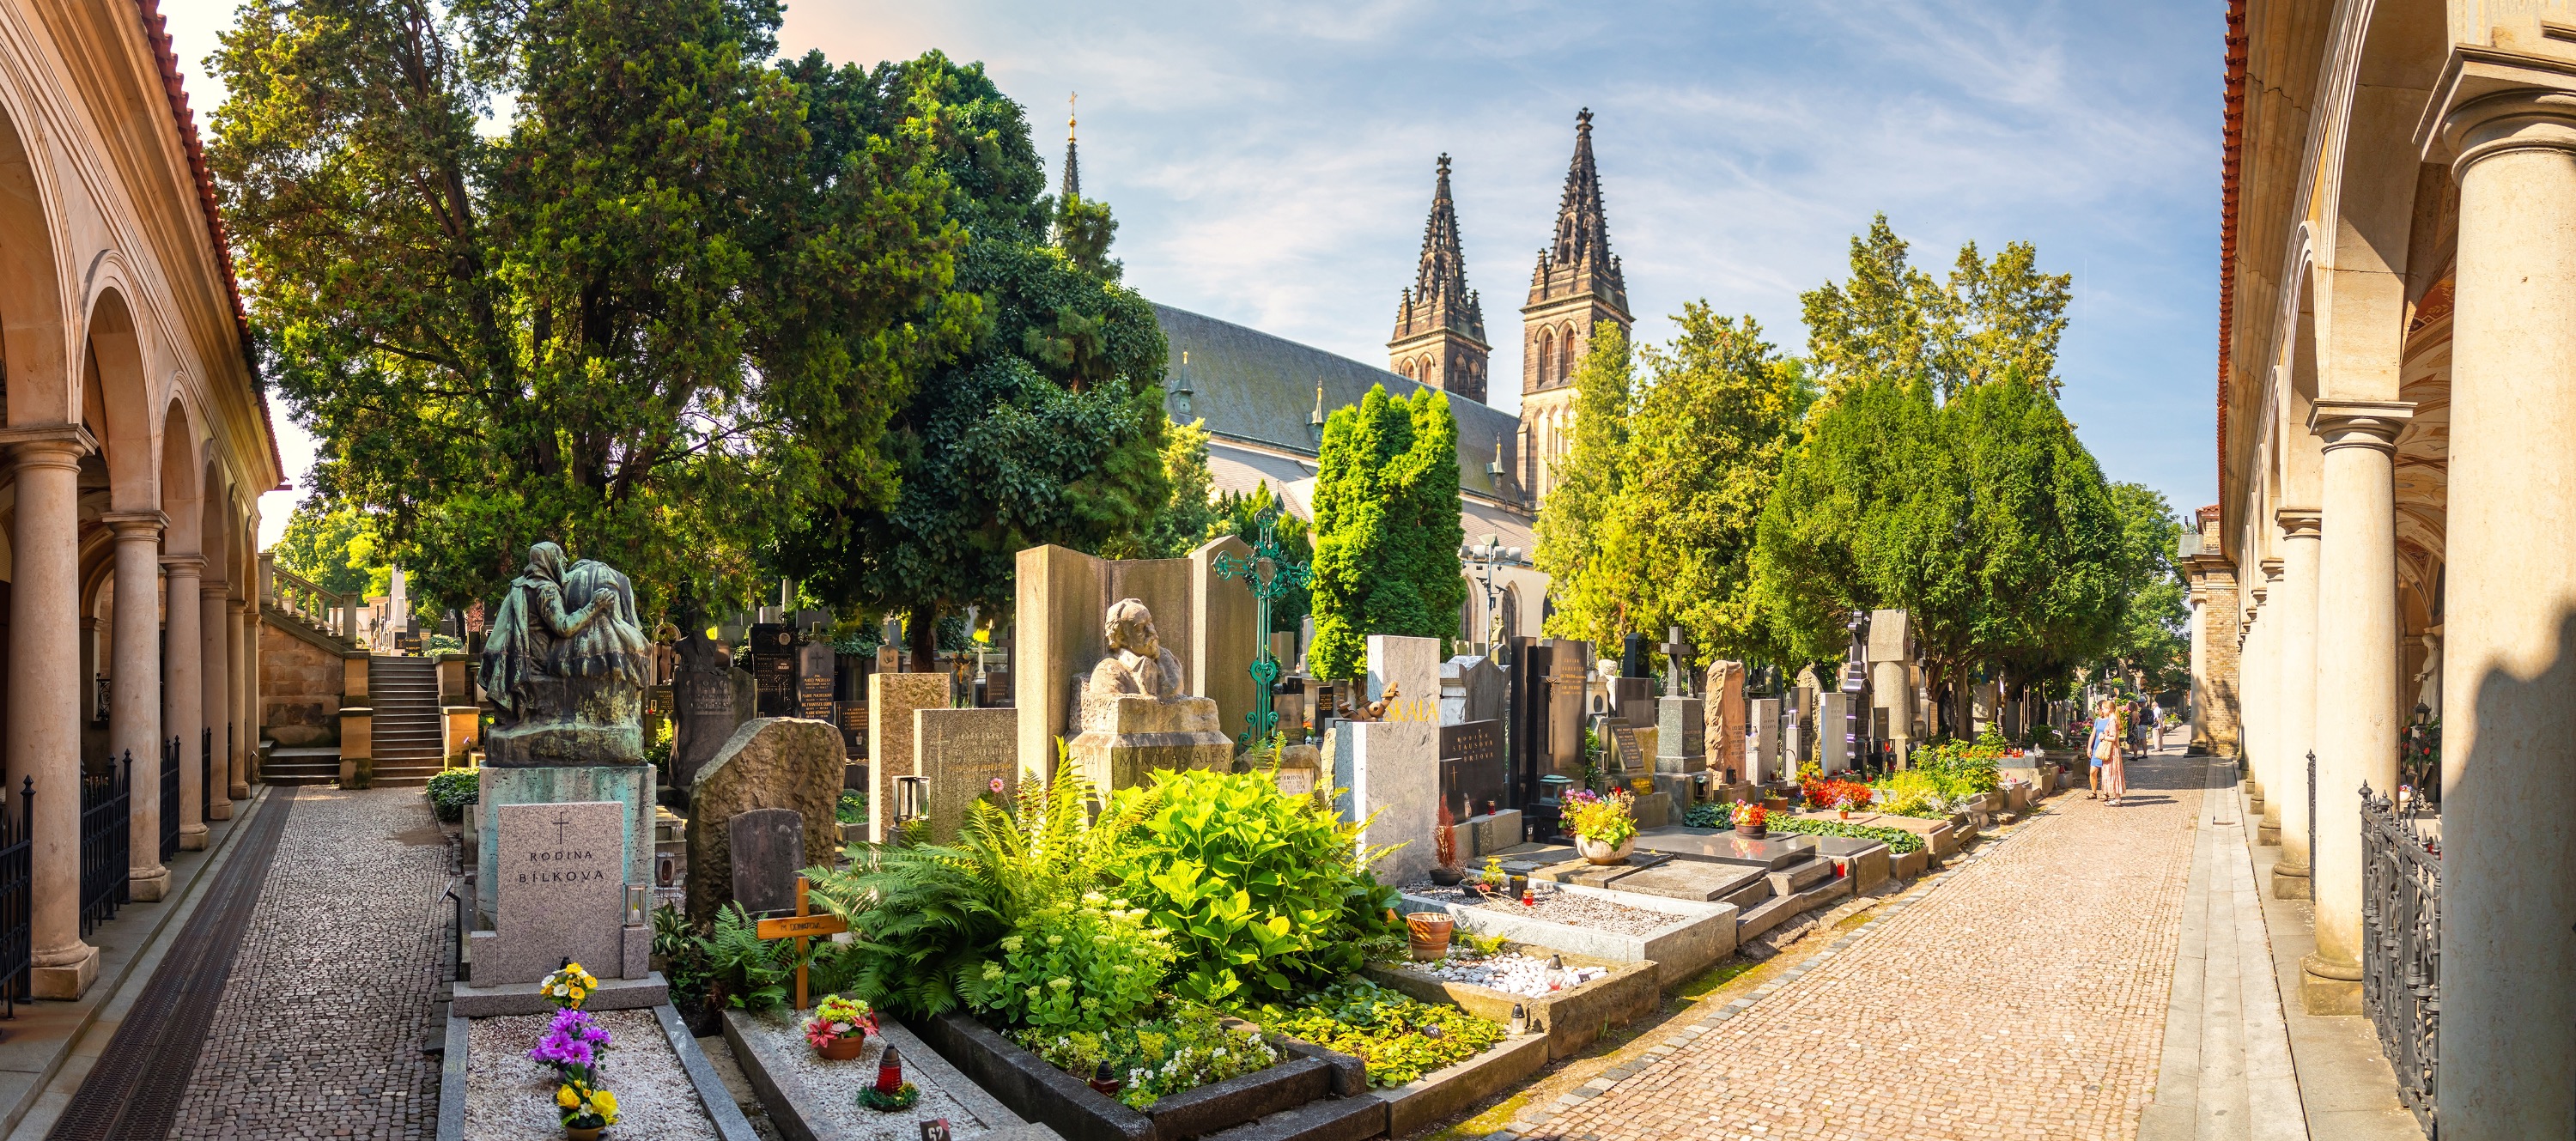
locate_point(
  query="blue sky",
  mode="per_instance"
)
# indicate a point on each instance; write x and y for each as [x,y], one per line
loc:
[1272,164]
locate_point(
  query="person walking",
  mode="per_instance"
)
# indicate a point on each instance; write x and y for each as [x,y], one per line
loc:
[2104,748]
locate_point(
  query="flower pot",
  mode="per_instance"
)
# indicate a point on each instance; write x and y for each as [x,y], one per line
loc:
[1447,877]
[845,1047]
[1429,932]
[1843,813]
[580,1133]
[1594,851]
[1756,831]
[1775,804]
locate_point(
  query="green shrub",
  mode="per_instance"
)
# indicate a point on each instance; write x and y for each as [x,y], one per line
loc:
[1898,840]
[751,970]
[450,791]
[1263,893]
[853,808]
[1399,1038]
[1091,963]
[1919,793]
[1157,1059]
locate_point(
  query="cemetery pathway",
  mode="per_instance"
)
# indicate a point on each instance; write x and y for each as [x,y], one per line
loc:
[2024,996]
[320,1027]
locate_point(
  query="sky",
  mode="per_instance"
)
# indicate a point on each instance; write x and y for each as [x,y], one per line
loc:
[1272,164]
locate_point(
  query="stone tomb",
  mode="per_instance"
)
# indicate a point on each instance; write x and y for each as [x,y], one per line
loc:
[1471,689]
[963,751]
[500,788]
[1701,881]
[892,700]
[1725,846]
[1471,768]
[1569,678]
[817,680]
[771,762]
[562,880]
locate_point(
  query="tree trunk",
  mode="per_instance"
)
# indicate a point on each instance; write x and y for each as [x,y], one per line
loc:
[922,630]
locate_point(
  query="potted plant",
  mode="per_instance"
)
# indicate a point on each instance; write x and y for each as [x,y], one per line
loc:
[1444,839]
[1605,827]
[839,1028]
[1749,820]
[1428,931]
[1492,881]
[586,1109]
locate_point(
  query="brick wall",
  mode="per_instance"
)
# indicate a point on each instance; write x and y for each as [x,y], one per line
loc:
[2213,670]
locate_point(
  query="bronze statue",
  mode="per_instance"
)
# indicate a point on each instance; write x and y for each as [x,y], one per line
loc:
[565,666]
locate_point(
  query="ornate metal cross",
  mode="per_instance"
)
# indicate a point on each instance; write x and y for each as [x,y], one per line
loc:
[1271,576]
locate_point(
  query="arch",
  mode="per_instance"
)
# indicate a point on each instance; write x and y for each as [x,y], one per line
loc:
[180,487]
[1405,370]
[215,539]
[2369,239]
[1565,355]
[1546,356]
[116,404]
[34,346]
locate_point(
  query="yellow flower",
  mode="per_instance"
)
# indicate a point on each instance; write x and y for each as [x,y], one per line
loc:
[565,1097]
[605,1102]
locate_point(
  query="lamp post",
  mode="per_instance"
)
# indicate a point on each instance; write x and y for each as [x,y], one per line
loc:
[1485,556]
[1271,576]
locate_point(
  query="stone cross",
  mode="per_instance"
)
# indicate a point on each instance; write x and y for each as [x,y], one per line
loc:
[1678,653]
[801,926]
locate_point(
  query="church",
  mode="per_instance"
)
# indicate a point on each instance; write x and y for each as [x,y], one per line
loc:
[1264,399]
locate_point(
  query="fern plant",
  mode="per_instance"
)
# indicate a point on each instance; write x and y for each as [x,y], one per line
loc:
[751,970]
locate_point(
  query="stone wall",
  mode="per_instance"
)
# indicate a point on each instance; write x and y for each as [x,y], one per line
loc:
[299,687]
[2213,674]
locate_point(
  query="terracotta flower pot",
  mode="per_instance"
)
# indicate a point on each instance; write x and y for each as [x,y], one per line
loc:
[845,1047]
[577,1133]
[1756,831]
[1429,932]
[1845,813]
[1595,851]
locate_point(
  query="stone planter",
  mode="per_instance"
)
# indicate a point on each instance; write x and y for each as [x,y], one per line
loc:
[1567,1020]
[1600,853]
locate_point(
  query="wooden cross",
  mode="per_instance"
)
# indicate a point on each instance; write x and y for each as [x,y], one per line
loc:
[801,927]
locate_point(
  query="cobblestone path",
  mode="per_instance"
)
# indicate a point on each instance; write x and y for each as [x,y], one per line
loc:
[319,1030]
[2024,996]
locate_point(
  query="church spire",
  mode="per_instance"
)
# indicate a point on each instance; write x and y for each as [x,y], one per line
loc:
[1072,162]
[1439,323]
[1580,261]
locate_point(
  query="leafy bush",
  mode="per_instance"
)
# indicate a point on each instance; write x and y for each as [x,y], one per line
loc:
[1399,1038]
[1898,840]
[1189,1049]
[1917,792]
[853,808]
[1262,892]
[450,791]
[1095,962]
[751,971]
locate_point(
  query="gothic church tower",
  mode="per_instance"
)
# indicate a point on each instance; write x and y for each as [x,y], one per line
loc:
[1439,325]
[1576,289]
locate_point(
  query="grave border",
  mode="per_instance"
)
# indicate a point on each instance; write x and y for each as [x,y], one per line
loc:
[730,1124]
[1568,1019]
[801,1115]
[1700,934]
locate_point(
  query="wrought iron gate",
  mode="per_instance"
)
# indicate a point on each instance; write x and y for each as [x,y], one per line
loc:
[2401,948]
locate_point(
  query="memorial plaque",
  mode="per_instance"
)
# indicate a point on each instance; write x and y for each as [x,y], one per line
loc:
[1626,752]
[963,752]
[773,668]
[1472,772]
[562,890]
[852,717]
[1296,781]
[815,694]
[768,847]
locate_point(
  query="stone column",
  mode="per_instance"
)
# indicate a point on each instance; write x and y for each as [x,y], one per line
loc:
[183,692]
[2356,720]
[45,701]
[2266,696]
[242,728]
[134,699]
[2295,696]
[214,646]
[2508,1025]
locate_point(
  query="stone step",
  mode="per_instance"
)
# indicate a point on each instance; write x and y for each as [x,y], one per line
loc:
[1800,876]
[1326,1119]
[1778,910]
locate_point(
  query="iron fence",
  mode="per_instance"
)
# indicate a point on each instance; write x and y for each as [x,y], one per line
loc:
[17,899]
[169,800]
[206,776]
[106,843]
[2401,947]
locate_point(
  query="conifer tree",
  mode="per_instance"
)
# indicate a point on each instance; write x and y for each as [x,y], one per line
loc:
[1386,527]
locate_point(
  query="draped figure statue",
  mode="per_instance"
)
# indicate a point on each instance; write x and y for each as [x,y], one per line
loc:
[565,666]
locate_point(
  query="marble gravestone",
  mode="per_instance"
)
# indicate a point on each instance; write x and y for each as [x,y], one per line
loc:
[892,700]
[1569,679]
[1471,689]
[1836,730]
[771,762]
[963,752]
[817,680]
[768,849]
[561,880]
[1762,739]
[702,694]
[1412,666]
[1391,768]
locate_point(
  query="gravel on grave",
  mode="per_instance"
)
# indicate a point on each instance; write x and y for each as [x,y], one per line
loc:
[509,1098]
[835,1086]
[1511,974]
[1559,907]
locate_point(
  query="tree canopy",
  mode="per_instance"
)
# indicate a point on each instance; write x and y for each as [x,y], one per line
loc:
[654,313]
[2152,647]
[1996,319]
[334,547]
[1386,528]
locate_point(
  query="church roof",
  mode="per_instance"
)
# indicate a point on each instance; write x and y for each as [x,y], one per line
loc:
[1580,260]
[1254,388]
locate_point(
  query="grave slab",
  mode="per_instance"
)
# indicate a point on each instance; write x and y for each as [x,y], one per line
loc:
[1695,880]
[1865,862]
[1590,874]
[1725,846]
[1412,665]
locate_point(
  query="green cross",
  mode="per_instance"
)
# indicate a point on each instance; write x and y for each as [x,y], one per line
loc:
[1271,576]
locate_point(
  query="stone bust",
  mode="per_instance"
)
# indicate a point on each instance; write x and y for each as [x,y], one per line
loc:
[1137,663]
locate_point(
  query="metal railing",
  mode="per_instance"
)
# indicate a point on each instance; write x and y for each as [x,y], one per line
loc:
[106,843]
[2401,947]
[206,777]
[300,598]
[169,800]
[17,899]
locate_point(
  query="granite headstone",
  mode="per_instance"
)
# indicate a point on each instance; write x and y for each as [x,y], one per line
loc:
[768,851]
[562,891]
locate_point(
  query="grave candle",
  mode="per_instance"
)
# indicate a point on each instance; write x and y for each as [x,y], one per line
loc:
[889,1072]
[1520,1020]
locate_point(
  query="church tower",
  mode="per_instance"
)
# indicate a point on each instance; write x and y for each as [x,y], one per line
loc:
[1439,325]
[1576,289]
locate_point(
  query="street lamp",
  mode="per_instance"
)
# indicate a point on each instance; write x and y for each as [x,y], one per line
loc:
[1485,555]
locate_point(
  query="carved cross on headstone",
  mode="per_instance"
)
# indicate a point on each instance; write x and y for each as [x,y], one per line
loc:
[801,927]
[1677,652]
[563,820]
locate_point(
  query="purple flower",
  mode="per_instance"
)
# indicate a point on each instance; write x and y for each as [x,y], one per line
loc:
[560,1049]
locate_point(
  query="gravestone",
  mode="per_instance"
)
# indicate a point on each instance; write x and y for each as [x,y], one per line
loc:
[1725,716]
[1390,773]
[852,717]
[702,696]
[817,680]
[1621,752]
[1762,759]
[1836,731]
[768,849]
[562,892]
[1569,680]
[963,751]
[773,668]
[771,762]
[1472,688]
[1632,700]
[1528,701]
[892,700]
[1412,666]
[1472,775]
[1681,735]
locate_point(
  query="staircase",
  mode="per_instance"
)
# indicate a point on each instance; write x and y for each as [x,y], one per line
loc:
[411,743]
[301,764]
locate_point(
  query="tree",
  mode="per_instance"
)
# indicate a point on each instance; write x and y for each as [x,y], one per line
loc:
[333,547]
[1584,548]
[1190,517]
[1386,528]
[1239,515]
[1046,427]
[1991,320]
[2152,647]
[649,319]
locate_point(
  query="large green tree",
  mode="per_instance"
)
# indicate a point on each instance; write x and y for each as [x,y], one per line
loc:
[1191,516]
[1991,319]
[649,313]
[1386,528]
[333,546]
[1585,546]
[2152,647]
[1047,426]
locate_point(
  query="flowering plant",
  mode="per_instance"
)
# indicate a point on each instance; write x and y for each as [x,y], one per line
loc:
[1189,1047]
[1089,963]
[836,1018]
[571,1044]
[569,986]
[1748,814]
[1843,794]
[1603,819]
[585,1106]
